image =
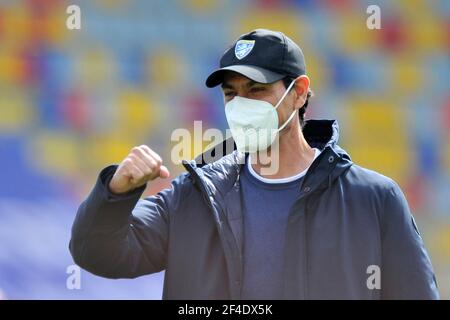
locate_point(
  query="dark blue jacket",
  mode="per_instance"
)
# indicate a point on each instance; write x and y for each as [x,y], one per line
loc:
[346,223]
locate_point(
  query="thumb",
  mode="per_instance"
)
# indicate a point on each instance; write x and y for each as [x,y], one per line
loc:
[164,172]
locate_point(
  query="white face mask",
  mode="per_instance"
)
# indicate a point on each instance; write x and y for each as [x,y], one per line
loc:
[254,123]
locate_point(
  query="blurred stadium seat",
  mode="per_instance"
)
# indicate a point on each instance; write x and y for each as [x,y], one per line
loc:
[72,102]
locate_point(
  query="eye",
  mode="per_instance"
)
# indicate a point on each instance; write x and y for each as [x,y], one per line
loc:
[228,93]
[257,89]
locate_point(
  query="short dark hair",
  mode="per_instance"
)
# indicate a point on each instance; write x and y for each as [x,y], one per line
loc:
[301,112]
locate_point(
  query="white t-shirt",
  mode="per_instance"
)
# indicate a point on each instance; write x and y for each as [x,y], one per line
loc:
[280,180]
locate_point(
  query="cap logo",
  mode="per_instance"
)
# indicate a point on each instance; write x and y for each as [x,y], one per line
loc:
[243,48]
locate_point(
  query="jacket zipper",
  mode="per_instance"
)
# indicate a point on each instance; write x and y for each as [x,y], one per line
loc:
[305,253]
[219,224]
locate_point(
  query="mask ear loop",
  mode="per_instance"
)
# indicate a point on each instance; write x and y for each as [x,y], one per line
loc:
[285,94]
[288,120]
[281,100]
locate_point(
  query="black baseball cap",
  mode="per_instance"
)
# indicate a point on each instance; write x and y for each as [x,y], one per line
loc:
[261,55]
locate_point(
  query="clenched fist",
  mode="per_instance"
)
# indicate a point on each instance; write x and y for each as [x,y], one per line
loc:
[141,165]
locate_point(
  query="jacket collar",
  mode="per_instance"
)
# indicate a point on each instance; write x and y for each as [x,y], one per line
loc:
[220,166]
[318,134]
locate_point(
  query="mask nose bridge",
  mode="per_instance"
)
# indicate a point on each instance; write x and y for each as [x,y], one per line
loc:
[286,92]
[241,91]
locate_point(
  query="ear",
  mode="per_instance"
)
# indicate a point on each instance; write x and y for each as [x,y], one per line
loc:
[301,88]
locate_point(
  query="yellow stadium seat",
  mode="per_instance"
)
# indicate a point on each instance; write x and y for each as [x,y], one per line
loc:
[166,70]
[354,36]
[16,25]
[201,6]
[429,34]
[316,70]
[406,73]
[16,112]
[136,115]
[94,68]
[12,68]
[101,150]
[284,20]
[56,153]
[446,154]
[377,137]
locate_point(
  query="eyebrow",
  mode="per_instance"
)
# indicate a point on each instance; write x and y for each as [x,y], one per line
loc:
[248,84]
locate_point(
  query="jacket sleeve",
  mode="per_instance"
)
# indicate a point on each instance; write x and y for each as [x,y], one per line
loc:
[406,271]
[121,236]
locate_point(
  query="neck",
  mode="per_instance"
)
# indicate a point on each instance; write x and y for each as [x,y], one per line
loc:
[289,155]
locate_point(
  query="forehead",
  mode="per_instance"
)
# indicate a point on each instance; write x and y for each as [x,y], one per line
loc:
[234,78]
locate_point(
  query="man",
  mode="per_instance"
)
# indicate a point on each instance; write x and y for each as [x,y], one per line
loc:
[286,215]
